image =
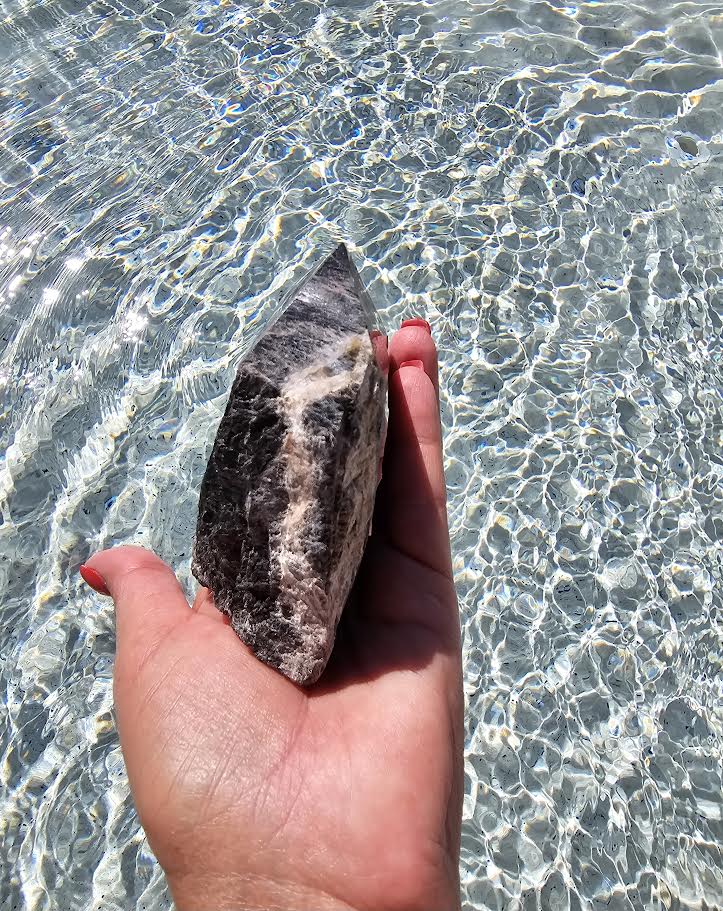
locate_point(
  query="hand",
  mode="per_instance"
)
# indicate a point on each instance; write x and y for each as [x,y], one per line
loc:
[258,794]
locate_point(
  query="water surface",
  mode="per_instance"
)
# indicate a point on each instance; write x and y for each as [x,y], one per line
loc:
[543,182]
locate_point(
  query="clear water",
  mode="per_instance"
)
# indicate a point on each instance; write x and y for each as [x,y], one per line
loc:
[544,183]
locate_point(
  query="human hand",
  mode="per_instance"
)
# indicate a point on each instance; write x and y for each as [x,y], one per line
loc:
[258,794]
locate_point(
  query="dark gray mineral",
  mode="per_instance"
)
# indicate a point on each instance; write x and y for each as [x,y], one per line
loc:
[287,498]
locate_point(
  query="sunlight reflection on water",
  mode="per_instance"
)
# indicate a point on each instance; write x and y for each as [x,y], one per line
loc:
[543,183]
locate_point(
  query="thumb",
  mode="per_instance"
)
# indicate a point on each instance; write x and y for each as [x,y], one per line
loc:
[149,601]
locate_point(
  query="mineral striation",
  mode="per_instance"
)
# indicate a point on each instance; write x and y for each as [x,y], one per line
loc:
[287,497]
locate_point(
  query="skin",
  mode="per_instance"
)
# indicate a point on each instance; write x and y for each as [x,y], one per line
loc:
[258,794]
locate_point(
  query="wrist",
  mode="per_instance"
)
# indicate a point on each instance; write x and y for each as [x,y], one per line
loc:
[233,892]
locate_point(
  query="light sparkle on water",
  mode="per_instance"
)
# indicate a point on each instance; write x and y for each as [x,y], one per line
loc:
[544,185]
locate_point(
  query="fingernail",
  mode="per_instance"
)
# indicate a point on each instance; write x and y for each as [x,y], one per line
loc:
[94,579]
[418,364]
[417,321]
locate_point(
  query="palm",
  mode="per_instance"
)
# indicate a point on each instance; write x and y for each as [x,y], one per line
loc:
[344,795]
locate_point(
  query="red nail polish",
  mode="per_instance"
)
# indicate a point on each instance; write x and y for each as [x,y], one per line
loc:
[418,364]
[417,321]
[94,579]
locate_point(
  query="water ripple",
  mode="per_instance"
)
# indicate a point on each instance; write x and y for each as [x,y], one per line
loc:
[543,182]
